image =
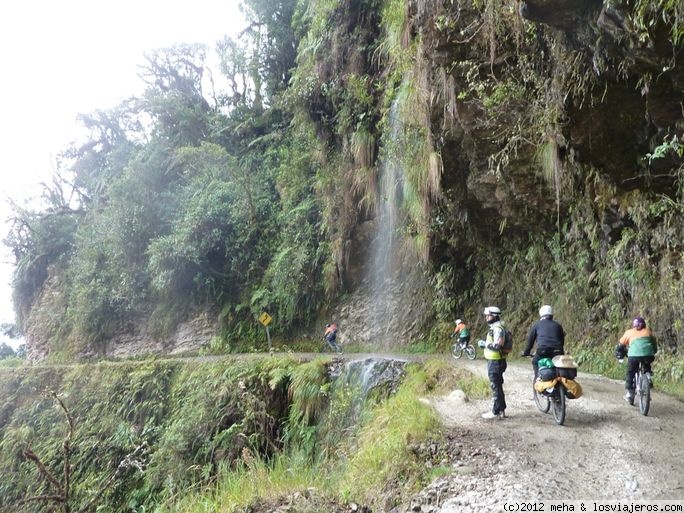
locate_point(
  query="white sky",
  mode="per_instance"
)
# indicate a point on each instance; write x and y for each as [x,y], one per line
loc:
[60,58]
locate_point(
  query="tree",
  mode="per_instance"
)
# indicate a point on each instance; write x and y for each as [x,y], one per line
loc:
[174,97]
[270,25]
[6,351]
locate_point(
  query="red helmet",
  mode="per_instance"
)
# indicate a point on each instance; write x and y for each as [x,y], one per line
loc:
[638,323]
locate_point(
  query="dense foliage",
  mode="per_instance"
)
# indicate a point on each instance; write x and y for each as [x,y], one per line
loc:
[227,426]
[180,199]
[541,153]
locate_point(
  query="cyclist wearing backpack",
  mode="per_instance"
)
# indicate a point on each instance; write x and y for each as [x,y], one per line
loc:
[639,344]
[549,336]
[496,361]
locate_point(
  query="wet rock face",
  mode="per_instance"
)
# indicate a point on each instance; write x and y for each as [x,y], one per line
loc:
[557,13]
[371,374]
[394,320]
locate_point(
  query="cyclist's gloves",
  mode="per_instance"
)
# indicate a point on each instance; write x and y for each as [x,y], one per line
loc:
[620,351]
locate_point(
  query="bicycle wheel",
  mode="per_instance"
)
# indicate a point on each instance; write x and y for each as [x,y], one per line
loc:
[542,401]
[470,352]
[644,391]
[456,351]
[558,404]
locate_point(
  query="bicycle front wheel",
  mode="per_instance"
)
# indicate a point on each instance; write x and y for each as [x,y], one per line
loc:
[456,351]
[470,352]
[644,391]
[542,401]
[558,404]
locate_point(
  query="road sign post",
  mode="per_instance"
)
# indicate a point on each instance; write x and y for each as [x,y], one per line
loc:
[266,319]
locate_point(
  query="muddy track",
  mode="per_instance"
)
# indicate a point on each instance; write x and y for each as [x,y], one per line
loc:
[605,451]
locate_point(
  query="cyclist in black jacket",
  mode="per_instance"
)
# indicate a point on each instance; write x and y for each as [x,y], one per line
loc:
[549,336]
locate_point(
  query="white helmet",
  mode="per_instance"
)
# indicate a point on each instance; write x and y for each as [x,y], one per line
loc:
[545,310]
[458,321]
[492,310]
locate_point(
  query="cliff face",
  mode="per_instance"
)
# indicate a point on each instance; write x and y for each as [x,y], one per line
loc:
[470,153]
[557,128]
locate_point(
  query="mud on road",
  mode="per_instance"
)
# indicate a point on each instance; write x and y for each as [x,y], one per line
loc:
[605,451]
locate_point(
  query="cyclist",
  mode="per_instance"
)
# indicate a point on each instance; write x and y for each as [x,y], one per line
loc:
[462,332]
[331,337]
[496,362]
[548,335]
[639,344]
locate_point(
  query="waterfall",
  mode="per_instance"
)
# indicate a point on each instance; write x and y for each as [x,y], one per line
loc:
[386,246]
[385,251]
[358,378]
[386,309]
[371,373]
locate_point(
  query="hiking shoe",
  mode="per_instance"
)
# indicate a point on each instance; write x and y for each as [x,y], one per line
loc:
[491,416]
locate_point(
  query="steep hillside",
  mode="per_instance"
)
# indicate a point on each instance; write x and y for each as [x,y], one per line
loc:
[214,434]
[415,161]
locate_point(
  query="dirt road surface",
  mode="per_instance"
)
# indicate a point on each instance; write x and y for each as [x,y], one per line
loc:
[605,451]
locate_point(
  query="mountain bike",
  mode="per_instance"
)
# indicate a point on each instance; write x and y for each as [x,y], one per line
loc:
[642,389]
[553,398]
[459,348]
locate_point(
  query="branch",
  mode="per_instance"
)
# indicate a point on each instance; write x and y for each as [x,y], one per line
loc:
[66,445]
[43,498]
[30,455]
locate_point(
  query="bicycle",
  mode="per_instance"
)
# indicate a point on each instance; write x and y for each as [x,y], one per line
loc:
[459,348]
[553,398]
[642,389]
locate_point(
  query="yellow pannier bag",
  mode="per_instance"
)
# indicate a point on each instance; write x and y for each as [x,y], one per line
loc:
[574,389]
[540,385]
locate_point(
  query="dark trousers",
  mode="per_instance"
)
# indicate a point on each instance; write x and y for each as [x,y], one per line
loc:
[544,353]
[332,343]
[633,367]
[495,371]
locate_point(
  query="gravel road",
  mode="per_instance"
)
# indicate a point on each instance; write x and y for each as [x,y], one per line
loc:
[605,451]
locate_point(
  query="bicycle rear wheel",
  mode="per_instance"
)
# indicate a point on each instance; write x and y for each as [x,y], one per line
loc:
[456,351]
[470,352]
[542,401]
[558,404]
[644,391]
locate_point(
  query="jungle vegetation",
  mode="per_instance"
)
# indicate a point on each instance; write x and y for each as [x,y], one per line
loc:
[220,435]
[521,188]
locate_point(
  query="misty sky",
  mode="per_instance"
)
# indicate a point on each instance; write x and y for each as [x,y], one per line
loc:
[62,58]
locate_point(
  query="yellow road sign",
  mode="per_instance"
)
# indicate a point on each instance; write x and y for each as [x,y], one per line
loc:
[265,319]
